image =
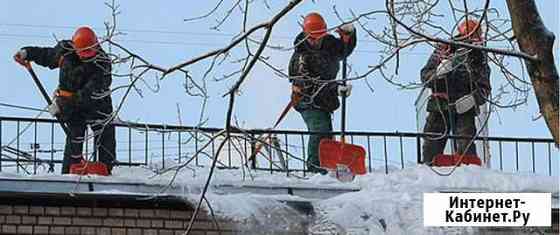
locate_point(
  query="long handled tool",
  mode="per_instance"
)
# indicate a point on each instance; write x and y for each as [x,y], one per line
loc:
[293,101]
[343,112]
[333,154]
[46,96]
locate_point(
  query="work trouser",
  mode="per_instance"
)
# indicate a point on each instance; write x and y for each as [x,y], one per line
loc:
[439,123]
[316,121]
[104,141]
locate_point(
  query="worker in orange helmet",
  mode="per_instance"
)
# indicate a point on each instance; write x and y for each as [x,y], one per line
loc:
[470,29]
[83,96]
[315,61]
[459,79]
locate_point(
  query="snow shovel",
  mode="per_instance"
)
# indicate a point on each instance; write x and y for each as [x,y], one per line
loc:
[345,159]
[89,168]
[455,159]
[293,101]
[449,160]
[46,96]
[84,167]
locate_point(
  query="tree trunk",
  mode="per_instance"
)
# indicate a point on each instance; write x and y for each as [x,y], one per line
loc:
[535,39]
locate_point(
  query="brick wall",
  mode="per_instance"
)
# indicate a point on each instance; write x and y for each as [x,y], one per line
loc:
[23,219]
[37,215]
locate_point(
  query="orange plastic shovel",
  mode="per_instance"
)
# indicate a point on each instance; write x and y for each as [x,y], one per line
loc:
[333,153]
[89,168]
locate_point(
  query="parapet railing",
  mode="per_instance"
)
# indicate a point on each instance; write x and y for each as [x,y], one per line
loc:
[29,144]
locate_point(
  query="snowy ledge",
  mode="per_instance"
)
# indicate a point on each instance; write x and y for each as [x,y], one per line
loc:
[189,181]
[395,199]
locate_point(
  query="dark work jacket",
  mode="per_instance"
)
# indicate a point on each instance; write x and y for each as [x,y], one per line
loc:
[87,79]
[470,76]
[308,66]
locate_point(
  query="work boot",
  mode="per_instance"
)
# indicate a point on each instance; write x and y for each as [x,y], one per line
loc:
[314,169]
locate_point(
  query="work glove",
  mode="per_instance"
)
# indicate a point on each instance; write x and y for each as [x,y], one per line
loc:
[444,67]
[344,90]
[53,108]
[297,93]
[464,104]
[61,105]
[346,29]
[21,56]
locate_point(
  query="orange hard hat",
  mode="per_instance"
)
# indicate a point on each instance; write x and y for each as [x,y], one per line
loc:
[468,26]
[84,40]
[314,25]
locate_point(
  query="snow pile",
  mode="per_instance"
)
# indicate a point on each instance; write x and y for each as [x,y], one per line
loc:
[258,214]
[392,204]
[385,204]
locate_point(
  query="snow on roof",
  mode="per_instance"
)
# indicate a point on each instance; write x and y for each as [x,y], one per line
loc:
[395,199]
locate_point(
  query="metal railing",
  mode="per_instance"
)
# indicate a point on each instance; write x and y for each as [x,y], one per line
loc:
[29,144]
